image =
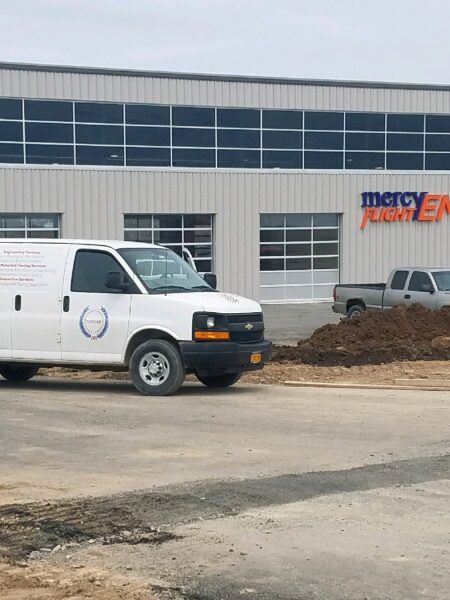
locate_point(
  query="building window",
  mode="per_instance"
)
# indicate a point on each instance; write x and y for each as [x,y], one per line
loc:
[299,256]
[63,132]
[29,225]
[175,231]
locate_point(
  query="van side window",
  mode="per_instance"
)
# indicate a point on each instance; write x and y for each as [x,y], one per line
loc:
[399,280]
[418,279]
[90,270]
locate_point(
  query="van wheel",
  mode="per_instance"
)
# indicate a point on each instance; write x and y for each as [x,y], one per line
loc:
[156,368]
[355,311]
[219,381]
[18,373]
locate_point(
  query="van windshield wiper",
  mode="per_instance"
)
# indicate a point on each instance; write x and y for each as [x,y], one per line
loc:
[171,287]
[202,287]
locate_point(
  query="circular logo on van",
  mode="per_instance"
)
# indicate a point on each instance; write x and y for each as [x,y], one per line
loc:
[94,322]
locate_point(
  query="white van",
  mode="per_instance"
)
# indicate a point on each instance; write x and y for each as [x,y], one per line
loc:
[122,305]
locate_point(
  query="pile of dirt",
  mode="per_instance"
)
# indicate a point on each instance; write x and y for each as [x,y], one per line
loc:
[402,333]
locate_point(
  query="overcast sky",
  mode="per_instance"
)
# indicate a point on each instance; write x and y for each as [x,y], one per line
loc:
[385,40]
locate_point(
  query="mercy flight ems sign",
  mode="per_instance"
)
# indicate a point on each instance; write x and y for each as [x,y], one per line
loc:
[403,206]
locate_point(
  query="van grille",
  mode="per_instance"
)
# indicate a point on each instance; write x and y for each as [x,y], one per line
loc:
[240,330]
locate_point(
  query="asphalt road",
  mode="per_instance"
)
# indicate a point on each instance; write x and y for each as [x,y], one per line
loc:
[265,492]
[289,323]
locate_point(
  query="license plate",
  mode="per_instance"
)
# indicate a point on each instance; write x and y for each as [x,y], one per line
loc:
[255,358]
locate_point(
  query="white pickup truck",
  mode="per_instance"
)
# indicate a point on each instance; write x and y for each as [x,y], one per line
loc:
[122,305]
[429,287]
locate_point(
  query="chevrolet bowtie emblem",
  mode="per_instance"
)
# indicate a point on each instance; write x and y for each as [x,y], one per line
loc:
[248,326]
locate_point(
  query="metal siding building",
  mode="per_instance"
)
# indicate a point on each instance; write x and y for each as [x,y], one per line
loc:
[92,201]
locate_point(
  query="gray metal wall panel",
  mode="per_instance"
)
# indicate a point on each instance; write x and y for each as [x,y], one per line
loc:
[121,88]
[92,202]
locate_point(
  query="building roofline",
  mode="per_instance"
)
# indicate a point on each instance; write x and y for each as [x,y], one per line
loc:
[115,72]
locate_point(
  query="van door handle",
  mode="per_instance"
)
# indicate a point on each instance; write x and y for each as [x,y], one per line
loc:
[18,302]
[408,296]
[66,303]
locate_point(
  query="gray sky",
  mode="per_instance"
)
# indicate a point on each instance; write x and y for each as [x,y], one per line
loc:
[386,40]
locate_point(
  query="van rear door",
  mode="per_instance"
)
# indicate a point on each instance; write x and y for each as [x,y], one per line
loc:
[6,275]
[95,317]
[36,303]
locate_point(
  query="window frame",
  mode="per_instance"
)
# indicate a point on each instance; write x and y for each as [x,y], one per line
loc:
[134,289]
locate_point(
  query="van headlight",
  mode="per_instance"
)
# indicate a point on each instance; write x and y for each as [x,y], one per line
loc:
[206,326]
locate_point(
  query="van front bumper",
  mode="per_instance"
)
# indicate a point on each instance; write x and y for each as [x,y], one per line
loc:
[217,358]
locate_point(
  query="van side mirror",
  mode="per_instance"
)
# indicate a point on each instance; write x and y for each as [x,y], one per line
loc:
[211,280]
[117,281]
[427,287]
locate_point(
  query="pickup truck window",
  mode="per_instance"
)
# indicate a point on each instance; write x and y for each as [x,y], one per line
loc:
[399,280]
[418,279]
[442,279]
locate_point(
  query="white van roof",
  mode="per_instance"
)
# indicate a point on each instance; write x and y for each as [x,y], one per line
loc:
[116,244]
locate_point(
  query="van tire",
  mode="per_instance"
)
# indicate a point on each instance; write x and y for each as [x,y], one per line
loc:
[219,381]
[18,373]
[356,310]
[156,368]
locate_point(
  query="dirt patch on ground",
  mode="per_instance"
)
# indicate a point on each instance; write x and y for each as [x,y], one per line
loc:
[402,333]
[383,374]
[46,582]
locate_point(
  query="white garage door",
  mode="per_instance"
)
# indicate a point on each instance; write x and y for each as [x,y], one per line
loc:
[299,256]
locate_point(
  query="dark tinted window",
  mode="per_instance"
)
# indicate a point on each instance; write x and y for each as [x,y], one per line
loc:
[99,155]
[96,112]
[148,136]
[326,263]
[90,271]
[238,117]
[324,140]
[272,264]
[298,235]
[325,220]
[364,121]
[136,114]
[324,160]
[399,280]
[49,132]
[408,161]
[282,139]
[326,235]
[282,119]
[364,160]
[405,122]
[10,109]
[418,279]
[281,159]
[438,123]
[168,237]
[298,250]
[437,142]
[49,154]
[364,141]
[437,162]
[238,138]
[298,264]
[193,137]
[404,141]
[244,159]
[272,220]
[99,134]
[193,157]
[148,157]
[190,115]
[48,110]
[11,153]
[271,235]
[11,131]
[298,220]
[194,221]
[167,221]
[324,120]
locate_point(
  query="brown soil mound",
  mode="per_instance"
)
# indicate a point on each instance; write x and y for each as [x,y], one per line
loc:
[402,333]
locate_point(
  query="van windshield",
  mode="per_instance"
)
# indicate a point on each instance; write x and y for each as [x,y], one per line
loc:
[162,271]
[442,279]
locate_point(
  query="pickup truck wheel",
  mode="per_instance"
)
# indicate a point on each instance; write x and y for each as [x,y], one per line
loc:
[355,311]
[219,381]
[156,368]
[18,373]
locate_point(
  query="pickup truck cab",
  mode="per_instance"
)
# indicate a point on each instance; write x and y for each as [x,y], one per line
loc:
[122,305]
[429,287]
